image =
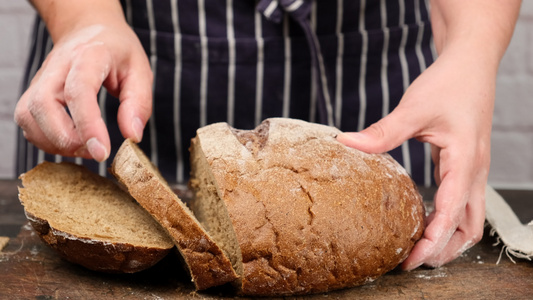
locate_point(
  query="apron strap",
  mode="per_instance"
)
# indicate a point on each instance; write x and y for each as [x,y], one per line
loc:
[300,10]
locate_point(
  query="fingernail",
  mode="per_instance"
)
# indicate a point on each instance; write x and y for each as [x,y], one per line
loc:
[350,136]
[411,267]
[138,128]
[97,150]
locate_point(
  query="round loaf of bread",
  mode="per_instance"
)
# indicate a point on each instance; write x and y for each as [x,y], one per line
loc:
[298,212]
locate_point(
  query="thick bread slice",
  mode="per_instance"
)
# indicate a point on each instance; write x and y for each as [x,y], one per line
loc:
[300,212]
[89,220]
[208,265]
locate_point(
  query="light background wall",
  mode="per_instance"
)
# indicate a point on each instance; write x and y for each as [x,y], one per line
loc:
[15,25]
[512,138]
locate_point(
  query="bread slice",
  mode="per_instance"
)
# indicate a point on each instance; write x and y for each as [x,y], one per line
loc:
[3,242]
[297,211]
[207,263]
[89,220]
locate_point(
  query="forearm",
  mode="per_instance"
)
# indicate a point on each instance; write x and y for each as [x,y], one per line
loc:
[477,28]
[64,16]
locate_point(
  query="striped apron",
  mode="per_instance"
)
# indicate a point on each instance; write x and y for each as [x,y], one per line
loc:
[344,63]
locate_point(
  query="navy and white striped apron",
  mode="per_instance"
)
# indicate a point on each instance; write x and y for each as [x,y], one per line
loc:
[344,63]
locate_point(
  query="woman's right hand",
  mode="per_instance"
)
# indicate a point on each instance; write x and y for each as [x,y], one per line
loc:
[93,46]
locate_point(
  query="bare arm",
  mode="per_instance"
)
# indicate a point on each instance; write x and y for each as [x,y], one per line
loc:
[93,46]
[450,106]
[62,17]
[482,28]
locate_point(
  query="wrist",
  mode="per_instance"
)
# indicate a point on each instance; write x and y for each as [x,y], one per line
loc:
[481,29]
[65,16]
[474,55]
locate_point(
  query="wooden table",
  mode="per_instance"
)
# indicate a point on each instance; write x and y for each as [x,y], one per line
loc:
[30,270]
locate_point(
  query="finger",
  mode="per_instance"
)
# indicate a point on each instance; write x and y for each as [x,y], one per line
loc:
[89,69]
[42,115]
[30,129]
[384,135]
[28,103]
[38,138]
[450,203]
[135,100]
[468,233]
[436,235]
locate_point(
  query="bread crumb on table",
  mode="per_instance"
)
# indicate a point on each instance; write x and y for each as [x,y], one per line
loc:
[3,242]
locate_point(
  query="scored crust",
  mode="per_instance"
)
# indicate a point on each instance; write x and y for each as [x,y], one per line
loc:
[67,205]
[310,215]
[207,264]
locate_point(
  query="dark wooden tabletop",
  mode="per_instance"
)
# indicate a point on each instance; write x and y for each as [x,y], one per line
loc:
[31,270]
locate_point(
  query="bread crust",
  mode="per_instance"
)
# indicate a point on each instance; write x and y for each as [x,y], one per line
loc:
[207,263]
[310,214]
[97,255]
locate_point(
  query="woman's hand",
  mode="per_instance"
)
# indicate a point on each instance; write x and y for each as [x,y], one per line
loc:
[450,106]
[93,46]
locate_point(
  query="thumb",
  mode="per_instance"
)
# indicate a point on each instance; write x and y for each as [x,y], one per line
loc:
[382,136]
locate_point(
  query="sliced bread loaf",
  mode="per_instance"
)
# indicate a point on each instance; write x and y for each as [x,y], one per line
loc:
[207,263]
[89,220]
[298,212]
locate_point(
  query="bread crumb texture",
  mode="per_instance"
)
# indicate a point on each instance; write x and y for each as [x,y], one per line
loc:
[309,214]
